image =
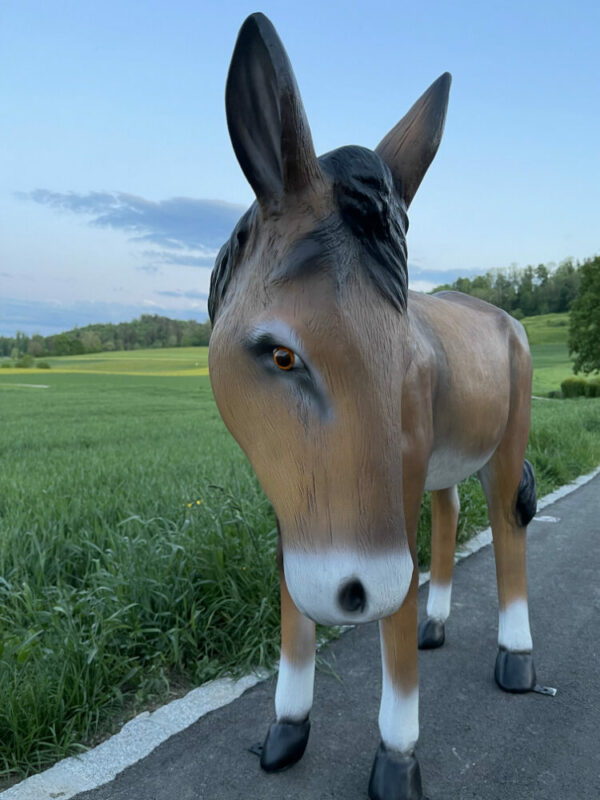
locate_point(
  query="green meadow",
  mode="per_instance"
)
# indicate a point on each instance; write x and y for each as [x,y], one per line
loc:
[547,336]
[137,549]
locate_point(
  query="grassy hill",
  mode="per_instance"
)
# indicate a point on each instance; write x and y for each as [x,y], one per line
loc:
[547,336]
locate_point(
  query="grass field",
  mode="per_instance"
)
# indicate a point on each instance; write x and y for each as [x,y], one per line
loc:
[181,361]
[547,336]
[136,548]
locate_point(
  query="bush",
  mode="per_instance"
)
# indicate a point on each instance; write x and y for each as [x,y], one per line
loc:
[5,365]
[555,394]
[25,361]
[43,365]
[592,388]
[579,387]
[574,387]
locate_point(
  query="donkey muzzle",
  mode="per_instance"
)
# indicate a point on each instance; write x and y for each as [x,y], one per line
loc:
[335,587]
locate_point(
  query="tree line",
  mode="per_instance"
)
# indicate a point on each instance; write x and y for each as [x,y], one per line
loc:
[149,331]
[525,292]
[544,289]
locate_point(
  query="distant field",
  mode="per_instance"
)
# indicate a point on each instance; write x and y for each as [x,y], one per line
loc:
[547,328]
[176,361]
[547,336]
[137,549]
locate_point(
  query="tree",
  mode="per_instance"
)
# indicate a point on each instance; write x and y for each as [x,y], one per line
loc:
[62,345]
[34,348]
[91,342]
[584,323]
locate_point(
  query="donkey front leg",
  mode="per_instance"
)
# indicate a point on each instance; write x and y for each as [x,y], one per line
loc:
[288,735]
[396,774]
[445,507]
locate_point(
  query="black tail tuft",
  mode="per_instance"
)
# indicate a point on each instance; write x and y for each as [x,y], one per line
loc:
[526,499]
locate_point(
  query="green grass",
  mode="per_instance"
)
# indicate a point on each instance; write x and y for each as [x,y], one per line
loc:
[176,361]
[137,550]
[135,555]
[547,328]
[547,334]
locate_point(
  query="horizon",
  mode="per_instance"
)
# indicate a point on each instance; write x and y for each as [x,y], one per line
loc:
[121,182]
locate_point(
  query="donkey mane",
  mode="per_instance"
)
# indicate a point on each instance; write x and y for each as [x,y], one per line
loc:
[370,210]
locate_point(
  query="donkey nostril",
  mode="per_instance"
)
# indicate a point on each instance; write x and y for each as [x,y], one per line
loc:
[352,596]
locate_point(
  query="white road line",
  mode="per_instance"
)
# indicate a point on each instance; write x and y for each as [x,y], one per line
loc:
[148,730]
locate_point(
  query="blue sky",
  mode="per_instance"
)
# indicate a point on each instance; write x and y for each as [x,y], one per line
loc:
[119,181]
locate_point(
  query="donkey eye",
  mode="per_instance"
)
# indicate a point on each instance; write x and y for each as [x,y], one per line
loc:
[284,358]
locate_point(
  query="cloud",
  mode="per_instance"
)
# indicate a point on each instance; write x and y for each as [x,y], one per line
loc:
[189,295]
[181,259]
[436,277]
[184,231]
[47,317]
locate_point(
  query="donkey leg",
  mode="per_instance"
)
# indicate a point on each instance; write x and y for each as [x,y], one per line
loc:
[510,493]
[287,737]
[396,774]
[445,506]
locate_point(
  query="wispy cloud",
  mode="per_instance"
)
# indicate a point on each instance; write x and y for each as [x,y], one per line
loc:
[184,231]
[181,258]
[188,295]
[438,276]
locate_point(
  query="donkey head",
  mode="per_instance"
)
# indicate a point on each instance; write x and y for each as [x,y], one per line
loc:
[309,347]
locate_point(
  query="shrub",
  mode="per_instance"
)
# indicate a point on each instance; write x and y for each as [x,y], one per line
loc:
[555,394]
[43,365]
[574,387]
[593,387]
[25,361]
[5,365]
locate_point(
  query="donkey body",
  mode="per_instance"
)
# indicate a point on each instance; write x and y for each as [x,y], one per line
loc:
[351,396]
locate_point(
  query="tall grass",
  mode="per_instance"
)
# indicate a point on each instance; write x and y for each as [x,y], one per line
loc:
[135,556]
[137,550]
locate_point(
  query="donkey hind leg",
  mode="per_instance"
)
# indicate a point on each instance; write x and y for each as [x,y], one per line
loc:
[445,506]
[287,736]
[510,494]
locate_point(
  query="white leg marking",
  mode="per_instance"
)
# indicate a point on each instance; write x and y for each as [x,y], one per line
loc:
[399,718]
[294,693]
[513,629]
[398,712]
[438,601]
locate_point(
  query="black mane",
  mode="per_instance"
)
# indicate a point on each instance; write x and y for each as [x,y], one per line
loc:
[374,213]
[370,210]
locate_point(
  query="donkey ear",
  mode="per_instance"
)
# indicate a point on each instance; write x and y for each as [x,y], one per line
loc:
[409,148]
[265,116]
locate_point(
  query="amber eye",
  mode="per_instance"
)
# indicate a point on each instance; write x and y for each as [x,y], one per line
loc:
[283,357]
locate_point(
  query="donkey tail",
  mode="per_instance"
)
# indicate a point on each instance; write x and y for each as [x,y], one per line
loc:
[526,504]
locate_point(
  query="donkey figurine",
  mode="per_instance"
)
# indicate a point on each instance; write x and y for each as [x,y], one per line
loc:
[351,396]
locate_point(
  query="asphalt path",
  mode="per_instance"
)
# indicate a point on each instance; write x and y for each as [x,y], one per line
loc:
[476,741]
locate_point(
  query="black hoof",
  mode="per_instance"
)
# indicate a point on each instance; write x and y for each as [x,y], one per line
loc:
[432,634]
[395,776]
[285,744]
[514,671]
